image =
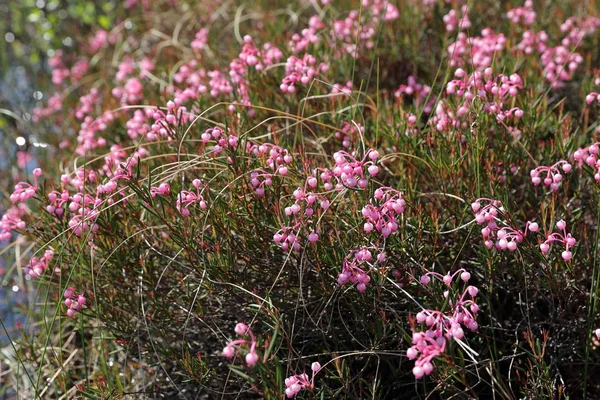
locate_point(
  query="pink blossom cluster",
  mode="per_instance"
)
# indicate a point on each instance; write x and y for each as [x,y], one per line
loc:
[88,102]
[589,156]
[487,212]
[495,90]
[276,157]
[164,189]
[383,212]
[300,70]
[55,104]
[560,64]
[131,93]
[349,133]
[60,71]
[358,264]
[563,238]
[101,39]
[10,221]
[37,265]
[25,191]
[306,206]
[80,178]
[452,20]
[139,124]
[287,236]
[443,327]
[85,209]
[165,124]
[345,88]
[251,56]
[118,166]
[125,68]
[418,91]
[444,119]
[193,77]
[299,42]
[223,141]
[531,41]
[478,51]
[361,26]
[57,202]
[591,97]
[73,301]
[200,39]
[351,172]
[295,383]
[242,330]
[576,28]
[88,138]
[553,177]
[524,15]
[187,198]
[218,84]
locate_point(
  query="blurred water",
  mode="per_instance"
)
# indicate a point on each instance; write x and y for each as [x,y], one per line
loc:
[16,96]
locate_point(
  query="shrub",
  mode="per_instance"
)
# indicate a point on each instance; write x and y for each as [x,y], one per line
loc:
[272,200]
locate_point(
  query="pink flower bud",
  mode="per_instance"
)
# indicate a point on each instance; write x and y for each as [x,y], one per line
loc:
[418,372]
[251,359]
[473,291]
[228,351]
[241,328]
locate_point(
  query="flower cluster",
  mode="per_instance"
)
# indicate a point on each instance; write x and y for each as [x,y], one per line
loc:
[351,171]
[502,238]
[37,265]
[553,176]
[218,135]
[563,238]
[300,41]
[259,59]
[443,327]
[85,209]
[453,21]
[300,70]
[361,26]
[25,191]
[164,189]
[295,383]
[276,158]
[522,15]
[495,90]
[242,330]
[349,133]
[358,264]
[73,301]
[200,40]
[589,156]
[479,50]
[419,92]
[187,198]
[10,221]
[383,212]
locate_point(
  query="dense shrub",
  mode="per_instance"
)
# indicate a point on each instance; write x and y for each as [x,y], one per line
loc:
[355,200]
